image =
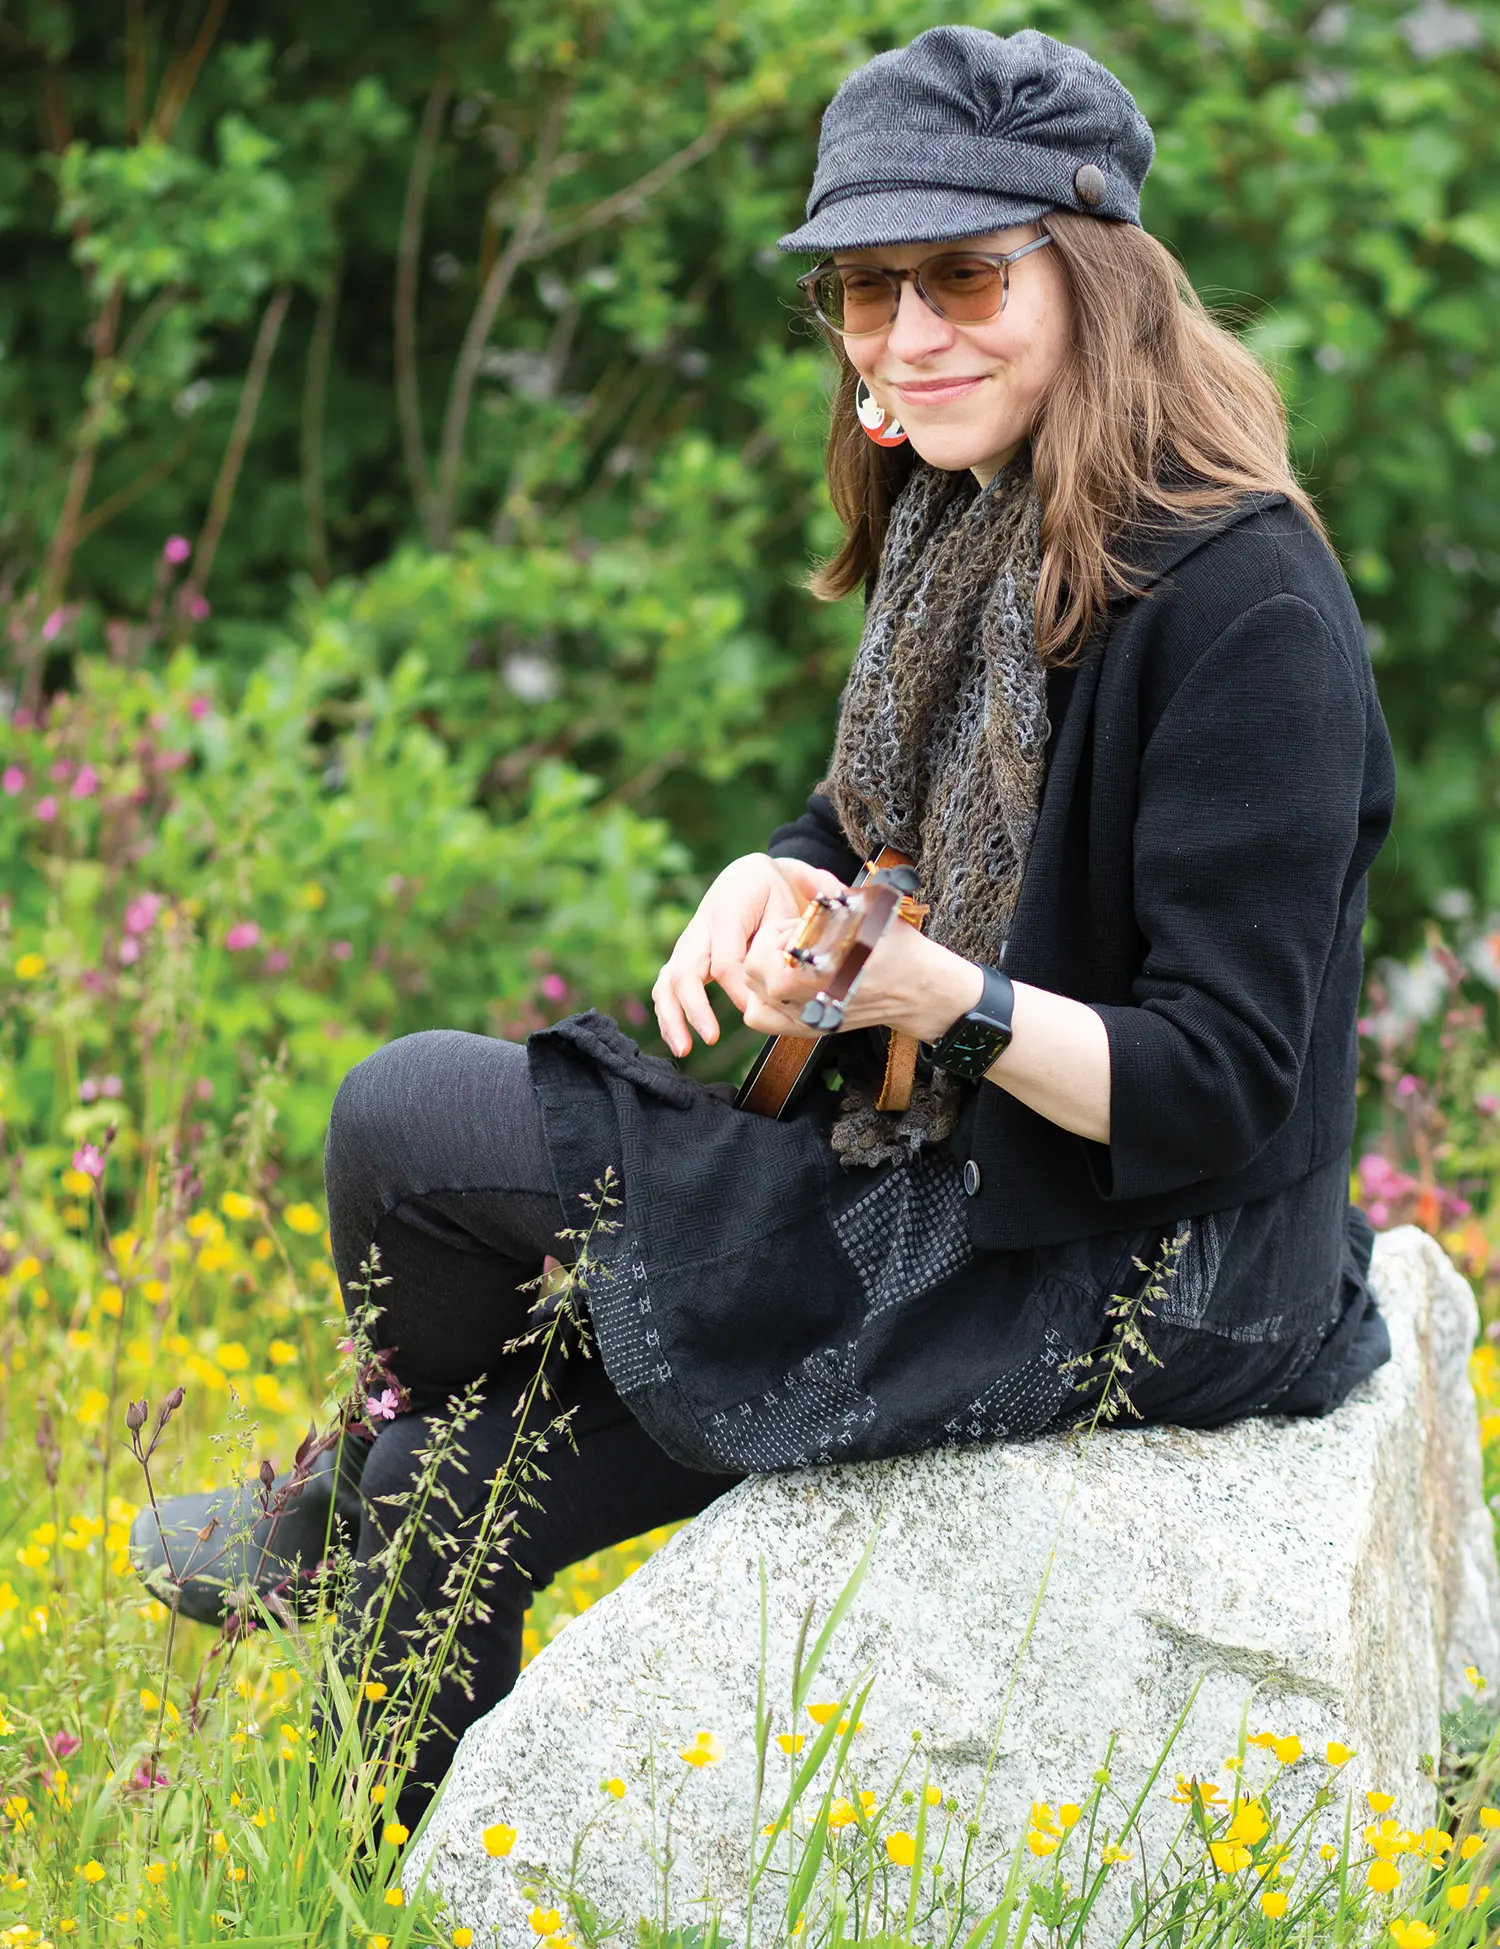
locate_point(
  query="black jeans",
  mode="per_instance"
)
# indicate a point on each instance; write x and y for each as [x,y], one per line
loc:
[435,1155]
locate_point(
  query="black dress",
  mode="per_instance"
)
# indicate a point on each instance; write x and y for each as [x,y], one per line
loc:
[759,1307]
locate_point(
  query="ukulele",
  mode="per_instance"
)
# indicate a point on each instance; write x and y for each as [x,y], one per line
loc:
[835,937]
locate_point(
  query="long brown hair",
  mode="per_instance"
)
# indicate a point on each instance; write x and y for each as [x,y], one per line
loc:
[1154,388]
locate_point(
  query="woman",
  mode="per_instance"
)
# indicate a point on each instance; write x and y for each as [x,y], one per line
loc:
[1112,698]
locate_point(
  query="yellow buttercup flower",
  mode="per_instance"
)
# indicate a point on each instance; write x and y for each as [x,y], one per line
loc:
[395,1833]
[31,967]
[704,1751]
[841,1814]
[933,1796]
[92,1871]
[1229,1857]
[1273,1903]
[375,1690]
[1288,1751]
[545,1921]
[1475,1677]
[394,1898]
[615,1789]
[1249,1823]
[304,1219]
[821,1714]
[1111,1854]
[462,1938]
[791,1742]
[1489,1817]
[901,1849]
[1338,1754]
[1381,1802]
[1470,1847]
[1383,1877]
[1458,1894]
[156,1873]
[1408,1934]
[1069,1814]
[498,1840]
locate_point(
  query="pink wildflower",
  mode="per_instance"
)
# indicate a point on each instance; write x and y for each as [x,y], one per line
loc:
[383,1406]
[46,809]
[143,1778]
[633,1011]
[278,961]
[89,1159]
[65,1744]
[88,1089]
[53,624]
[243,934]
[12,780]
[199,608]
[343,950]
[177,550]
[86,783]
[129,950]
[141,913]
[345,1346]
[1487,1104]
[554,987]
[60,770]
[1407,1086]
[111,1086]
[198,707]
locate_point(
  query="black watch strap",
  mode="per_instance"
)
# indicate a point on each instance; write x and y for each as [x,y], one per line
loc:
[975,1039]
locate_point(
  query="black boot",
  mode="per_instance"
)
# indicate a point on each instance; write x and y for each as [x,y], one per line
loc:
[276,1555]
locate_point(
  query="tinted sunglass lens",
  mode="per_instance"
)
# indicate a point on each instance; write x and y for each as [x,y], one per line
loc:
[965,288]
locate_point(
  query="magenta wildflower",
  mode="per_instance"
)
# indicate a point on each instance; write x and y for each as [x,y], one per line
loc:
[111,1086]
[243,934]
[65,1744]
[384,1406]
[1407,1086]
[343,950]
[141,913]
[143,1778]
[89,1159]
[60,770]
[198,707]
[53,624]
[177,550]
[199,608]
[88,1089]
[554,987]
[278,961]
[86,783]
[345,1346]
[129,951]
[12,780]
[46,809]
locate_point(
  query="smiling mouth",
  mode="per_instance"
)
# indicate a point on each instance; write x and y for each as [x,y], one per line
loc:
[936,388]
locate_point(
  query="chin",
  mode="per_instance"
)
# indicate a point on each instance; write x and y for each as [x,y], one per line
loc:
[952,452]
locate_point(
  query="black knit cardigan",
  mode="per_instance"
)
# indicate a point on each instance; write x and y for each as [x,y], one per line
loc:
[1219,781]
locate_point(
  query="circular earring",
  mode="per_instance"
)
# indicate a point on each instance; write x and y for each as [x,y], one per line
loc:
[871,416]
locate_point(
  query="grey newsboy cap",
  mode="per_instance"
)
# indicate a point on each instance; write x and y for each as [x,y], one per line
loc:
[966,131]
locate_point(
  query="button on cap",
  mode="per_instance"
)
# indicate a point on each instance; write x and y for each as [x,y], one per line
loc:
[1090,184]
[971,1178]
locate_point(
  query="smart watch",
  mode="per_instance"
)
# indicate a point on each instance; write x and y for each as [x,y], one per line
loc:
[975,1039]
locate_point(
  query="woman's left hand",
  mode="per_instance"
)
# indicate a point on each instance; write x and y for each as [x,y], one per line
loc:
[909,983]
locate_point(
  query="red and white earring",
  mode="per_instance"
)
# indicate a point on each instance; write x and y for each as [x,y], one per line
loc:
[871,416]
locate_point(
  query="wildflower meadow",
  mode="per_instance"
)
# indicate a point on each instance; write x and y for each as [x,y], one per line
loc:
[410,457]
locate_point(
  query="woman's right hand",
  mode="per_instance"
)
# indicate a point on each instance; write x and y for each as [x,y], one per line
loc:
[750,893]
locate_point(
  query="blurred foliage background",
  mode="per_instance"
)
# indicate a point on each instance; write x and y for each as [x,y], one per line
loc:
[410,453]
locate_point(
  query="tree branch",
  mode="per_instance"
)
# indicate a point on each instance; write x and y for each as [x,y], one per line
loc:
[177,82]
[81,473]
[314,415]
[126,496]
[408,264]
[620,203]
[271,322]
[466,370]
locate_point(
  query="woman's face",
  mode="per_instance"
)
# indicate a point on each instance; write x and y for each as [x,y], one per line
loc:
[967,395]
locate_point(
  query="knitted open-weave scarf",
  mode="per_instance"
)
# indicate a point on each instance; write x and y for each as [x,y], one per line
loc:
[942,737]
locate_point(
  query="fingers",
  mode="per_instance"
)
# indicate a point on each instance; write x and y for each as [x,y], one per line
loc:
[679,995]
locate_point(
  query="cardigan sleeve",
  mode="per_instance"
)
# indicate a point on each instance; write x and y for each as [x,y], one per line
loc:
[1246,834]
[818,839]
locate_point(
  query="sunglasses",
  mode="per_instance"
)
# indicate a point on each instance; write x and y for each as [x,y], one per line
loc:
[967,287]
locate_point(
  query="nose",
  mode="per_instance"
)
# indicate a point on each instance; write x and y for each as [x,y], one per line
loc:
[917,331]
